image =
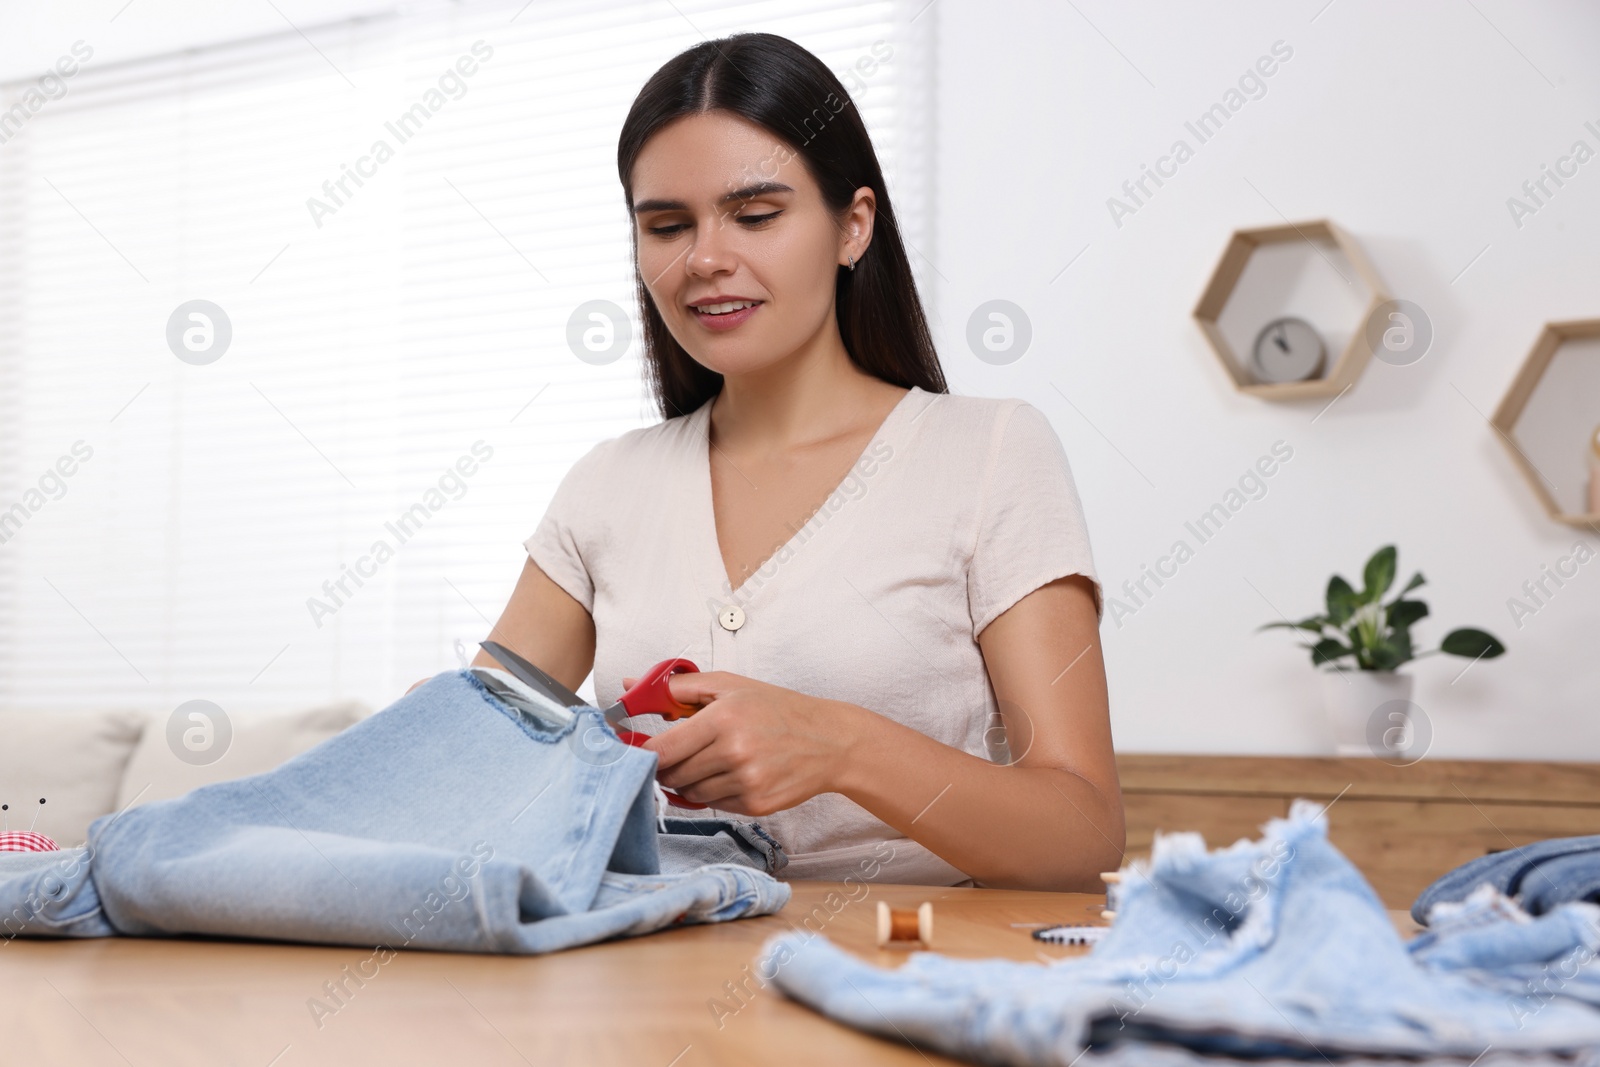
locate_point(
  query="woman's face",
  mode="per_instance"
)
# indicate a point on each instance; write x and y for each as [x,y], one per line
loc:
[726,213]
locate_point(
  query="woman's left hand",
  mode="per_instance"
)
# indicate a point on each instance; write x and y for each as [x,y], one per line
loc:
[752,748]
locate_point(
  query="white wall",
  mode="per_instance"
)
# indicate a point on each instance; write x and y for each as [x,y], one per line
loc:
[1410,125]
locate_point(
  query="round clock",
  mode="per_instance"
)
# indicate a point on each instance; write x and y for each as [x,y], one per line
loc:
[1286,350]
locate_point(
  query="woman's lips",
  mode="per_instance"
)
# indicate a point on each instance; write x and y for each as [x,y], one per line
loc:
[724,322]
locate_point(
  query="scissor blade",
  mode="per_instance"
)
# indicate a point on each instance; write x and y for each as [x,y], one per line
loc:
[526,672]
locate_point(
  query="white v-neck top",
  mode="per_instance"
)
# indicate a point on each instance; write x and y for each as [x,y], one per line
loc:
[957,508]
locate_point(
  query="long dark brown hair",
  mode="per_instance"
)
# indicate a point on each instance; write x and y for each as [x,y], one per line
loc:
[778,85]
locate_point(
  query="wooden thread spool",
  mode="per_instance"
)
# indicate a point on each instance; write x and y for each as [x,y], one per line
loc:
[1110,878]
[898,928]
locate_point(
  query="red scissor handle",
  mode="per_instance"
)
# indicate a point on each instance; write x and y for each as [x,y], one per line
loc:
[637,740]
[650,695]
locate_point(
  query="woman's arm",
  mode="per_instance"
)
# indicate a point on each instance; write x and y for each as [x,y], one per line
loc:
[1052,819]
[542,623]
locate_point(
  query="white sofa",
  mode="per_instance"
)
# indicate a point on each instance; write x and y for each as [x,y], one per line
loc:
[88,763]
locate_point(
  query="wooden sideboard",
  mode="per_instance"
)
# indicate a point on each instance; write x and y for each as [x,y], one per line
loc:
[1402,826]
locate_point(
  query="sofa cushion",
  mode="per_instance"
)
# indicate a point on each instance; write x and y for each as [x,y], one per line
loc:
[259,741]
[75,760]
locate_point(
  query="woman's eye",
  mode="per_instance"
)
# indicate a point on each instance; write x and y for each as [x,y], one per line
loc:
[750,221]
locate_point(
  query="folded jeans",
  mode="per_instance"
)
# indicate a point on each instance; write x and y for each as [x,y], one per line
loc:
[1539,876]
[449,820]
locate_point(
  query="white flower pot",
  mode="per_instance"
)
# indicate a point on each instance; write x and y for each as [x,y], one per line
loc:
[1369,712]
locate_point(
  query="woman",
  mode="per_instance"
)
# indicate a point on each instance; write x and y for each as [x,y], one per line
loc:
[889,588]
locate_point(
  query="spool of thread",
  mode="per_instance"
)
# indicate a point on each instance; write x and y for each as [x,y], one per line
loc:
[1110,878]
[902,927]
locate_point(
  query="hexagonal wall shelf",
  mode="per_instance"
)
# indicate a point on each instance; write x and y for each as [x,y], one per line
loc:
[1312,271]
[1549,417]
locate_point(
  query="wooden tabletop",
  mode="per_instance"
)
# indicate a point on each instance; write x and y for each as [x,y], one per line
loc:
[662,1000]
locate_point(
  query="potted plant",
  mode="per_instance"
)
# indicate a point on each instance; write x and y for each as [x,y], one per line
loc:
[1360,643]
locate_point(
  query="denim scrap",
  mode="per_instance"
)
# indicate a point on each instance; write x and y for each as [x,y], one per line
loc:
[686,843]
[1144,1054]
[1491,940]
[450,820]
[1272,947]
[1539,876]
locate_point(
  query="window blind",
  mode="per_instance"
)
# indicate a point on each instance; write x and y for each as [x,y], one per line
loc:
[336,503]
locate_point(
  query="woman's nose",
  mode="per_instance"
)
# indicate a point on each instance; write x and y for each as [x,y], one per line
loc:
[711,249]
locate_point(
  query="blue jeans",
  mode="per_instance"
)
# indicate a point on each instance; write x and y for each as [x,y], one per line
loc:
[1274,947]
[449,820]
[1539,876]
[1489,938]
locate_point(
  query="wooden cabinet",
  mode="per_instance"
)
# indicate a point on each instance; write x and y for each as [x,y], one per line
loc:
[1401,826]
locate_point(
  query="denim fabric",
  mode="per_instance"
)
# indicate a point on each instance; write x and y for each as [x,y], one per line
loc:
[1273,947]
[1490,939]
[685,844]
[50,894]
[449,820]
[1539,876]
[1144,1054]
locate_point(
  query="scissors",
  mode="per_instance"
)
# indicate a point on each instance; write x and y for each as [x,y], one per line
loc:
[649,696]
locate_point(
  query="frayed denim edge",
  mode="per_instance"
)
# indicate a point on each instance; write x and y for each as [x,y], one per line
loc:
[519,719]
[1306,817]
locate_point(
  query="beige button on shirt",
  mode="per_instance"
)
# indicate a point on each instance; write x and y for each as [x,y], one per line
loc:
[957,508]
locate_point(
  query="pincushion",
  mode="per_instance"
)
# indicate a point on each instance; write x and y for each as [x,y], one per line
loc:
[24,840]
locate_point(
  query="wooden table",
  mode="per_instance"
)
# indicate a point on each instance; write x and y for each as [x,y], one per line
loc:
[644,1001]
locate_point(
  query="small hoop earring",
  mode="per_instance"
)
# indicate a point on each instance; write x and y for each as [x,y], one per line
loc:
[852,260]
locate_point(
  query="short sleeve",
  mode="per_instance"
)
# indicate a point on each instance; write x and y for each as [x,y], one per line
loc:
[558,543]
[1031,529]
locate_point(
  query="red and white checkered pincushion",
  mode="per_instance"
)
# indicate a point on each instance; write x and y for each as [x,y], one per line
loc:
[26,841]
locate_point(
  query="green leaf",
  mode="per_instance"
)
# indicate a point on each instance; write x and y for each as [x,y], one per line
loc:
[1379,574]
[1474,644]
[1392,652]
[1313,624]
[1327,650]
[1342,600]
[1402,613]
[1416,580]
